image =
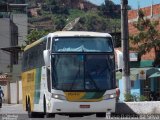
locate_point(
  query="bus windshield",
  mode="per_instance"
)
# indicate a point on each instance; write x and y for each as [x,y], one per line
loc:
[82,72]
[83,44]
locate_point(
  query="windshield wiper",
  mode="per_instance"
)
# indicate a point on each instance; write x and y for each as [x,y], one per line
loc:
[92,80]
[77,74]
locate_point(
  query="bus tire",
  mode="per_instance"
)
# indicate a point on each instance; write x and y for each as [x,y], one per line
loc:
[50,115]
[26,104]
[100,114]
[44,105]
[29,109]
[30,113]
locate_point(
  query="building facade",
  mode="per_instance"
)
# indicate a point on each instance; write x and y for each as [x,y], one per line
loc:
[152,12]
[8,37]
[144,68]
[13,32]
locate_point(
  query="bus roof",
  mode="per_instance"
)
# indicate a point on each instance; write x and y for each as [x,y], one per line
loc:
[79,33]
[35,43]
[68,34]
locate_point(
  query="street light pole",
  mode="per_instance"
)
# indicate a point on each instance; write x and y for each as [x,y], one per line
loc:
[125,47]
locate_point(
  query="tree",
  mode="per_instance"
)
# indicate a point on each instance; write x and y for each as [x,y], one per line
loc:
[148,36]
[58,7]
[110,9]
[35,35]
[60,23]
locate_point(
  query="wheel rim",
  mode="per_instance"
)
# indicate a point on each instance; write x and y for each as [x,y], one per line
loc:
[29,110]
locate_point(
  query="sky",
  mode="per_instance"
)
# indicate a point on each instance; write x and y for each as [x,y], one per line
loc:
[132,3]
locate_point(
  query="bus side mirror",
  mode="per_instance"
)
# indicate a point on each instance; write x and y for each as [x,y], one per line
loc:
[46,55]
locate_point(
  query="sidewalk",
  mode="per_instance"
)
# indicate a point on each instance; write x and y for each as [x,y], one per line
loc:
[12,109]
[6,104]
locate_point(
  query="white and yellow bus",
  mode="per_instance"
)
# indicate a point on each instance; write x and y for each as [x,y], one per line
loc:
[69,72]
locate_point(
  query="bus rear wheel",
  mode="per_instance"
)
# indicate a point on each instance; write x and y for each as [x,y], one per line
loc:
[26,104]
[30,113]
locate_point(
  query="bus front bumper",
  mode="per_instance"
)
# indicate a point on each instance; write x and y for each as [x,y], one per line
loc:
[62,106]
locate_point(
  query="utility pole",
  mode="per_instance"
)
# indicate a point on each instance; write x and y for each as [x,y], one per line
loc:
[152,9]
[125,47]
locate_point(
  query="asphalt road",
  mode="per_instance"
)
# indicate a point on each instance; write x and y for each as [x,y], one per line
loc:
[16,112]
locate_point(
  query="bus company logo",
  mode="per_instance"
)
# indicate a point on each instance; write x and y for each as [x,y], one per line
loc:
[30,77]
[73,94]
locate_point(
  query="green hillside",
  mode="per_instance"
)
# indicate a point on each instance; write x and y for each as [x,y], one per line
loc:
[53,15]
[56,14]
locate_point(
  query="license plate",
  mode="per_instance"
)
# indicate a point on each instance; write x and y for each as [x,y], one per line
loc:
[84,106]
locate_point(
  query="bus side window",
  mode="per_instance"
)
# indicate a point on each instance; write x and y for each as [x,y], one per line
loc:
[48,43]
[40,53]
[25,61]
[31,59]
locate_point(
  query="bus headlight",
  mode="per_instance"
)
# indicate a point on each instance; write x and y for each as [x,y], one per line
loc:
[109,96]
[58,96]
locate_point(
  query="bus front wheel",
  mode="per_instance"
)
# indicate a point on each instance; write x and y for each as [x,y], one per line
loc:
[44,105]
[48,115]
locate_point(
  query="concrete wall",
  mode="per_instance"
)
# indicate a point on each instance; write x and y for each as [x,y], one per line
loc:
[16,72]
[20,91]
[139,108]
[16,92]
[21,20]
[155,10]
[4,42]
[13,93]
[135,89]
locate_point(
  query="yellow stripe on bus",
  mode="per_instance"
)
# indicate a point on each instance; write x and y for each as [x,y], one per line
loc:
[33,44]
[80,97]
[28,86]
